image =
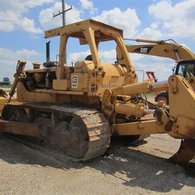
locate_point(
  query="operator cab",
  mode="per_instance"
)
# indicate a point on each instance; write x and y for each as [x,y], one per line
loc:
[186,68]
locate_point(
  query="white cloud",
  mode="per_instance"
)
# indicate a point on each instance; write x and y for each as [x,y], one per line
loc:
[126,20]
[151,32]
[13,21]
[105,56]
[88,5]
[78,56]
[176,20]
[8,60]
[28,25]
[7,23]
[20,6]
[12,15]
[26,54]
[48,21]
[35,3]
[108,56]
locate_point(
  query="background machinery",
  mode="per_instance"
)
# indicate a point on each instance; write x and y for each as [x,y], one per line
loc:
[184,58]
[3,98]
[6,97]
[78,108]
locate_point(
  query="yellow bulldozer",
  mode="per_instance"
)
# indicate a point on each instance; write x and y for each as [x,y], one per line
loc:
[79,107]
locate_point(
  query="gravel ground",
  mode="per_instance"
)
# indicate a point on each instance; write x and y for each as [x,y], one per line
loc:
[124,170]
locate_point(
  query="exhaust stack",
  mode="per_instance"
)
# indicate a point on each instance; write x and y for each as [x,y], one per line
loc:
[48,51]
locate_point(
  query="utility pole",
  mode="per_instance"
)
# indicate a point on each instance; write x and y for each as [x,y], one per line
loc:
[63,13]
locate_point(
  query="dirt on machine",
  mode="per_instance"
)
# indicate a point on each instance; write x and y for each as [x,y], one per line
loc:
[78,107]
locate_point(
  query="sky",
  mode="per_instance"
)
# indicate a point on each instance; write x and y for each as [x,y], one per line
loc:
[23,22]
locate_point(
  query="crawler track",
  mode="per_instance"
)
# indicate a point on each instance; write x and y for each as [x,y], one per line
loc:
[80,132]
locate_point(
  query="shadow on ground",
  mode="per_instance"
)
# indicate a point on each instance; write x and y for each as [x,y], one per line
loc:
[134,168]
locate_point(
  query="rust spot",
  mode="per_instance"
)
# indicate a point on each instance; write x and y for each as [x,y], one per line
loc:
[191,132]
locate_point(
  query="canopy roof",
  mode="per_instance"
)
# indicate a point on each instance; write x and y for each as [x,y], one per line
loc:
[102,32]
